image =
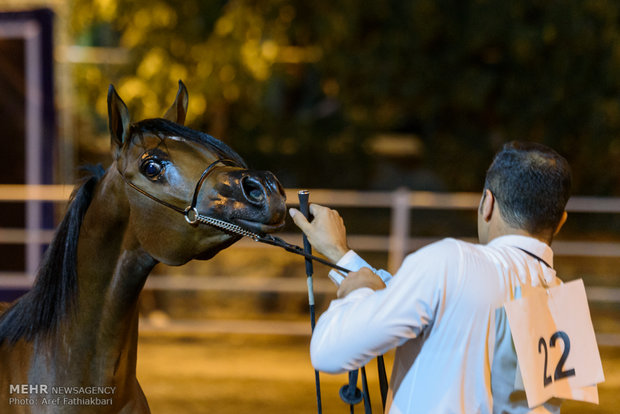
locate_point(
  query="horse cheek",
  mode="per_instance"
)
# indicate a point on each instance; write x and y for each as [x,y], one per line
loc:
[160,234]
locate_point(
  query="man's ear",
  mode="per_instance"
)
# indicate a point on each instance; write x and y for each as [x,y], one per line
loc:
[487,205]
[561,223]
[118,121]
[178,110]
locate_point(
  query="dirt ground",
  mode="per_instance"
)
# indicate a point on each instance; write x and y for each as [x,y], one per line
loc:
[240,373]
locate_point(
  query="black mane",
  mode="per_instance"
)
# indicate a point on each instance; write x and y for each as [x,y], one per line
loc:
[42,309]
[163,127]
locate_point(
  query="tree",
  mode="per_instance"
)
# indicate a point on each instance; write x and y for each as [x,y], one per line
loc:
[300,88]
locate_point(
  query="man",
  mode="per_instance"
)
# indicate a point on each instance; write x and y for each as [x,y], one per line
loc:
[442,310]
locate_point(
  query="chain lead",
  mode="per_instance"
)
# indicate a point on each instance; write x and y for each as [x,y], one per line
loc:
[225,226]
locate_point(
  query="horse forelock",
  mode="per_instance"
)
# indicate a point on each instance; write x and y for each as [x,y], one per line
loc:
[164,128]
[42,309]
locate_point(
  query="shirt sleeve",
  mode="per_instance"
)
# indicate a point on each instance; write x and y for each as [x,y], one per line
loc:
[354,262]
[367,323]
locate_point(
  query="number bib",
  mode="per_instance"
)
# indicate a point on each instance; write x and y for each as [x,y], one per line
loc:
[556,348]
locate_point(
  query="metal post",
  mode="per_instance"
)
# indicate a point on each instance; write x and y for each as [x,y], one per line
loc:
[399,232]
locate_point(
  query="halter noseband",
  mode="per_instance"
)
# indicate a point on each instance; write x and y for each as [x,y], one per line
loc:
[190,212]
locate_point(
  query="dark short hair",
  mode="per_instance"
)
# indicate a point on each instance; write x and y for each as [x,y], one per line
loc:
[531,184]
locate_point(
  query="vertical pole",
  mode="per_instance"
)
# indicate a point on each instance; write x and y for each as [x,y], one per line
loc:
[33,143]
[304,196]
[399,232]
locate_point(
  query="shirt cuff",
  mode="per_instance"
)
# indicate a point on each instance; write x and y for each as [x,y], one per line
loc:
[354,262]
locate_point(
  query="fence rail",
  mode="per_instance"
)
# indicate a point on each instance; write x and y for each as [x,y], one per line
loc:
[397,244]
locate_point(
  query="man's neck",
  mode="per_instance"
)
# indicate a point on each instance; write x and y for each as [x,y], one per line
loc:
[508,231]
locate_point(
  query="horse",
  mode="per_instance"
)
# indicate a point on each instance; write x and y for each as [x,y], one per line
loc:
[69,344]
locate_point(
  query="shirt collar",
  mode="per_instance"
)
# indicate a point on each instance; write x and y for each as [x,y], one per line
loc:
[530,244]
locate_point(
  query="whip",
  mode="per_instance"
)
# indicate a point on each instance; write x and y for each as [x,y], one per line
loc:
[349,392]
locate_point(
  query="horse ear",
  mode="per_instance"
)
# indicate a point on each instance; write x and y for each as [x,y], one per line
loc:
[178,110]
[118,118]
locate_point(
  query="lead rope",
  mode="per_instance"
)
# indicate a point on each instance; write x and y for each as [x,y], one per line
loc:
[347,389]
[349,392]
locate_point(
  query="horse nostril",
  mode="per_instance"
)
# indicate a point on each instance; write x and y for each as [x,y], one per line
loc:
[274,185]
[253,190]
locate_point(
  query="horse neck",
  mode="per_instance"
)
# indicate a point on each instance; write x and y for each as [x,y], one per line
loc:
[111,271]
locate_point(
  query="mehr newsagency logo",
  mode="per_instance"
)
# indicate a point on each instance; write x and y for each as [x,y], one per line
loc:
[44,394]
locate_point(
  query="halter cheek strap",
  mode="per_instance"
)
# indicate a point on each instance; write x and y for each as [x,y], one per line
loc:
[152,197]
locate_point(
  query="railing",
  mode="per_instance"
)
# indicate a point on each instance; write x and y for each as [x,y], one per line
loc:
[397,243]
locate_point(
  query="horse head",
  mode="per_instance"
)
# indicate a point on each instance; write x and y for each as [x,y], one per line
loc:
[168,169]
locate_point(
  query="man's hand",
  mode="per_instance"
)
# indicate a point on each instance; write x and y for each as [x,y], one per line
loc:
[326,233]
[362,278]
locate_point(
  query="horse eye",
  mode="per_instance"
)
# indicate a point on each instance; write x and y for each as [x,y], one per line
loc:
[152,169]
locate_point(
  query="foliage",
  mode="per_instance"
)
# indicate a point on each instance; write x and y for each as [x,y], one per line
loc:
[301,87]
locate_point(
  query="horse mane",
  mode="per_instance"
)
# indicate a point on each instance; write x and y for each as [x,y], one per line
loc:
[162,127]
[43,308]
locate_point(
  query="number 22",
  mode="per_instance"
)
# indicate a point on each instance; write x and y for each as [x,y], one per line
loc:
[559,369]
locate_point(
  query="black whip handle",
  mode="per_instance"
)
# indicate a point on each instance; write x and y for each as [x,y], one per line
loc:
[304,196]
[304,207]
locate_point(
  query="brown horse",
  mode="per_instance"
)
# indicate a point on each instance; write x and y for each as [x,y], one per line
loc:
[69,345]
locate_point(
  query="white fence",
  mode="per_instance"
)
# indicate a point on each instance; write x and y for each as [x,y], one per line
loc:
[397,243]
[401,203]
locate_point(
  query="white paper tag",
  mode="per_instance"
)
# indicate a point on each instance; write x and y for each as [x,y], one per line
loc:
[555,343]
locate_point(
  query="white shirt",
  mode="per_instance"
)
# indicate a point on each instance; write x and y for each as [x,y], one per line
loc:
[443,312]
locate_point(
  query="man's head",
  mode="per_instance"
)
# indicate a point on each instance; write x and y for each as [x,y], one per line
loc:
[528,184]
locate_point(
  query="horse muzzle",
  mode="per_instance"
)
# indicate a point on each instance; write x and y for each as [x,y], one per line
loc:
[254,200]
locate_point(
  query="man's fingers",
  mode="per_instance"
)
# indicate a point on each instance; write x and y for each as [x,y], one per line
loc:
[326,232]
[299,219]
[317,209]
[313,208]
[360,279]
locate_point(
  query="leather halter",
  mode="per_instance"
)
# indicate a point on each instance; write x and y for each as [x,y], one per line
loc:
[190,212]
[194,218]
